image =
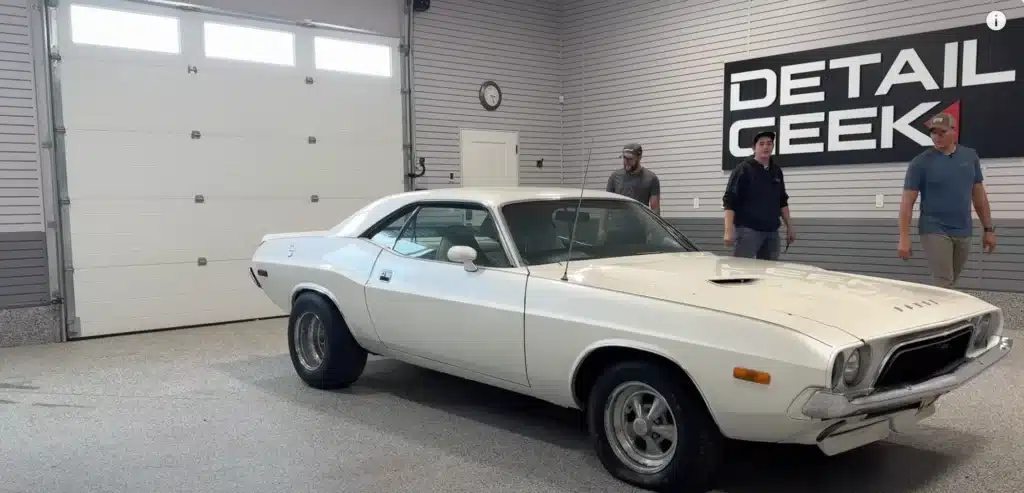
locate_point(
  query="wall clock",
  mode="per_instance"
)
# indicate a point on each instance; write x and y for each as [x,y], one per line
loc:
[490,95]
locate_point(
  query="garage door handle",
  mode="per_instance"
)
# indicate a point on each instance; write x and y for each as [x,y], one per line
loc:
[385,276]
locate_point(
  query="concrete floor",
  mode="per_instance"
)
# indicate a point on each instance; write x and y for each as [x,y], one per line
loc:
[219,409]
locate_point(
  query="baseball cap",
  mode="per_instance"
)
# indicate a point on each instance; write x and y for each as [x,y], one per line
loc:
[631,150]
[942,120]
[763,133]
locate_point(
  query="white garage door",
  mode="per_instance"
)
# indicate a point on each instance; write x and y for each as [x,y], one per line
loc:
[189,136]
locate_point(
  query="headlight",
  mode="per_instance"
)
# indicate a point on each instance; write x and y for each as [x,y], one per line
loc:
[850,367]
[983,327]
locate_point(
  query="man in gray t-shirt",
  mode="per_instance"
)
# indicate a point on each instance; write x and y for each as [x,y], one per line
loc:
[948,178]
[636,181]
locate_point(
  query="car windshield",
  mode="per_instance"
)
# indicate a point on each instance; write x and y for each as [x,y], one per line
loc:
[606,228]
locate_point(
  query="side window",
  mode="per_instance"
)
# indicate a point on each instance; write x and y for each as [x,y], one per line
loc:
[387,236]
[436,229]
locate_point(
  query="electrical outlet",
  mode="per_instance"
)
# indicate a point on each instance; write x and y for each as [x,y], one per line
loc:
[879,200]
[696,202]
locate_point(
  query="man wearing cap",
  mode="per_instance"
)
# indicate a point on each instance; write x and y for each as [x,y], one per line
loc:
[948,178]
[754,201]
[636,181]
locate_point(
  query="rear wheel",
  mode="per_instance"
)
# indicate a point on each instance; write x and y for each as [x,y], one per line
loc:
[323,351]
[651,431]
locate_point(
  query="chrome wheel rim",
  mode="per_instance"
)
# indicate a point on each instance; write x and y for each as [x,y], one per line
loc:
[640,427]
[310,341]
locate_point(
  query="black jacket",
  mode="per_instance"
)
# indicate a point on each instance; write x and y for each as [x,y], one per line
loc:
[756,195]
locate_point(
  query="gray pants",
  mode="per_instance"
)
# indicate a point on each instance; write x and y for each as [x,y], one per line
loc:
[751,243]
[946,256]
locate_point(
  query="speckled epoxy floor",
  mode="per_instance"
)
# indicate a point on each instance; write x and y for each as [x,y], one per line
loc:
[219,409]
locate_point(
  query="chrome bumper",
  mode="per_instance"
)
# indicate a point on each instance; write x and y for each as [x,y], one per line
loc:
[825,404]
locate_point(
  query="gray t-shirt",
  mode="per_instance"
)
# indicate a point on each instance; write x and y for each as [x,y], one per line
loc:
[640,186]
[946,184]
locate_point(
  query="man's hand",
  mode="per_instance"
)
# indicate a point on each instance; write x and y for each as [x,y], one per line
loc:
[989,241]
[729,238]
[904,249]
[790,236]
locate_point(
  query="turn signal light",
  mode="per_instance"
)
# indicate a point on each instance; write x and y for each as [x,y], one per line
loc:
[749,375]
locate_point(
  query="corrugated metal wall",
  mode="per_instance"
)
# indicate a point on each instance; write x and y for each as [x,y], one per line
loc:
[23,269]
[652,71]
[459,44]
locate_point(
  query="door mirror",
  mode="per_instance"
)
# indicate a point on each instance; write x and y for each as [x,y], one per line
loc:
[463,255]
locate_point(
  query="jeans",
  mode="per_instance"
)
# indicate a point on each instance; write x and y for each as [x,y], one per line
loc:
[751,243]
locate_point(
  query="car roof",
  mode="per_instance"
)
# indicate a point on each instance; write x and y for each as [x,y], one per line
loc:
[489,196]
[498,196]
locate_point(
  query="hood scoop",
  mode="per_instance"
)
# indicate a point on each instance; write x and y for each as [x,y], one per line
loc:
[917,304]
[734,281]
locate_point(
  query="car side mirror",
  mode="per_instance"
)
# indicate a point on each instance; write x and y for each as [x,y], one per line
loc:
[463,255]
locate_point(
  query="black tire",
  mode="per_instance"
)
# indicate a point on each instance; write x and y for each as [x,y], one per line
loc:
[343,359]
[699,443]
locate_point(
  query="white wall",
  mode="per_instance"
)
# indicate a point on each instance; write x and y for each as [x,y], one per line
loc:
[459,44]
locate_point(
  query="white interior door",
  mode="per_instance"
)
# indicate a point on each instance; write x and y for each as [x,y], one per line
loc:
[191,135]
[489,158]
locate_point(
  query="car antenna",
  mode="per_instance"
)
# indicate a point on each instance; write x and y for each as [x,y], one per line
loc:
[575,220]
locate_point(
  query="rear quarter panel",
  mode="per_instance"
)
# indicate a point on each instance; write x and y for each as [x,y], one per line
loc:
[566,321]
[337,267]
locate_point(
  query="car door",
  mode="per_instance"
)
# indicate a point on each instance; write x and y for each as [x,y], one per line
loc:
[424,305]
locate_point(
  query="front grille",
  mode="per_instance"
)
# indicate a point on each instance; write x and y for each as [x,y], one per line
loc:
[928,358]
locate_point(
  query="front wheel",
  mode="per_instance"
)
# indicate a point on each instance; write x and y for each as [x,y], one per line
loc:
[323,351]
[651,431]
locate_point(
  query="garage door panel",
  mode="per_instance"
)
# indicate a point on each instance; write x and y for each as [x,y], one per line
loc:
[128,299]
[101,95]
[137,232]
[133,164]
[175,166]
[365,108]
[247,102]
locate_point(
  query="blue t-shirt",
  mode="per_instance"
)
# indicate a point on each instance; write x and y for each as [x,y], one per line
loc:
[946,186]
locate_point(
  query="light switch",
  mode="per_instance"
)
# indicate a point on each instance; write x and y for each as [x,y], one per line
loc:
[696,202]
[879,200]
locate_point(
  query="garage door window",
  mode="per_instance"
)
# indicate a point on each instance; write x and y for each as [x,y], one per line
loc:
[248,44]
[121,29]
[339,55]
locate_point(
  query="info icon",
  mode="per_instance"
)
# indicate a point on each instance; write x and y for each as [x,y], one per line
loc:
[996,20]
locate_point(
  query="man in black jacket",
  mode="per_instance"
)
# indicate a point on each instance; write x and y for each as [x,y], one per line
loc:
[754,200]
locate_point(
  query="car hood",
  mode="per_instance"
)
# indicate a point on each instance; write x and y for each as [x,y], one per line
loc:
[776,292]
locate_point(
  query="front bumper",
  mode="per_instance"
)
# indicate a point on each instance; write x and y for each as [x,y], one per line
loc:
[824,404]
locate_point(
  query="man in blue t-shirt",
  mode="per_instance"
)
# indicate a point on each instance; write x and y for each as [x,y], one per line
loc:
[948,178]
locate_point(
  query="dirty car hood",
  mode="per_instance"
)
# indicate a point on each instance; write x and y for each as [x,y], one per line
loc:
[862,306]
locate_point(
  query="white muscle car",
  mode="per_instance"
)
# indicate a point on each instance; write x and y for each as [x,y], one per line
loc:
[667,349]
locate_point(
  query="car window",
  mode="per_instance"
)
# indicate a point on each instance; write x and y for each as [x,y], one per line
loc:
[605,228]
[435,229]
[387,236]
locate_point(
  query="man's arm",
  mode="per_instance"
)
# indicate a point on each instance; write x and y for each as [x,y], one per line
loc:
[733,195]
[655,202]
[911,189]
[980,197]
[784,203]
[611,183]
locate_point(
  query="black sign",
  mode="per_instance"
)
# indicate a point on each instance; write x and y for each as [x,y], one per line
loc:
[870,102]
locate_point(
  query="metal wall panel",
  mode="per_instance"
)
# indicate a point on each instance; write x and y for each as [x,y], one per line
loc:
[459,44]
[652,72]
[868,247]
[23,268]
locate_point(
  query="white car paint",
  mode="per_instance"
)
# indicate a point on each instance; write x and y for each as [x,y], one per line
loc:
[526,330]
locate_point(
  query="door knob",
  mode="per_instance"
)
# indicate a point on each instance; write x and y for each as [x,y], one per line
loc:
[385,275]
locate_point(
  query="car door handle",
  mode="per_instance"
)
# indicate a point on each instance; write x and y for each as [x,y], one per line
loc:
[385,275]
